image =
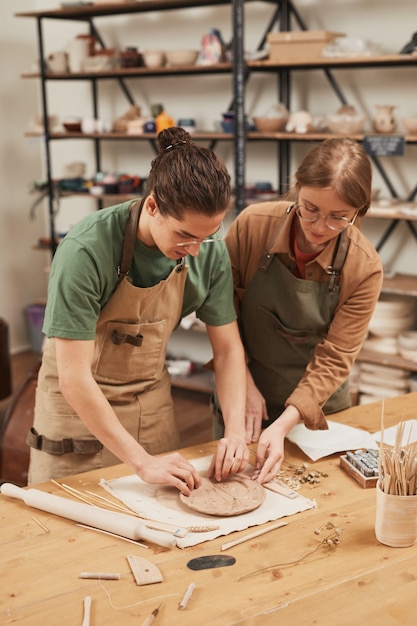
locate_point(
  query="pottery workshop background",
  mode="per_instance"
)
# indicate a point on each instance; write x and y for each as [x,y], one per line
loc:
[204,98]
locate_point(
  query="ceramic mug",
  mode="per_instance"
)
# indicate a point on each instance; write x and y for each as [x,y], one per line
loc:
[57,62]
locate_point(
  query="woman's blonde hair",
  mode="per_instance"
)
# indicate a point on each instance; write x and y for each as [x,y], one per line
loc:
[340,164]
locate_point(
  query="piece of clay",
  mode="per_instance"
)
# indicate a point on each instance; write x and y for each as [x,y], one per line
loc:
[234,496]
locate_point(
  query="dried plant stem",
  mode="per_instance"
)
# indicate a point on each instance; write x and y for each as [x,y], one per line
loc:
[331,541]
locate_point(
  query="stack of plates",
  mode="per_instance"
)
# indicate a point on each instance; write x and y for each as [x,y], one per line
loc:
[407,344]
[378,382]
[392,316]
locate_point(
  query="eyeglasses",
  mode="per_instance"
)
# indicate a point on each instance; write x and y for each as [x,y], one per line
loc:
[332,221]
[217,236]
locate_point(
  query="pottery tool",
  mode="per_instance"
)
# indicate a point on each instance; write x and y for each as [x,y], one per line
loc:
[39,523]
[211,561]
[91,498]
[87,611]
[148,621]
[257,533]
[187,596]
[398,466]
[100,575]
[144,571]
[278,487]
[118,523]
[106,532]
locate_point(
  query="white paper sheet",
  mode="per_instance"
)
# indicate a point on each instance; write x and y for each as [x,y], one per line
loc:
[339,438]
[410,434]
[163,504]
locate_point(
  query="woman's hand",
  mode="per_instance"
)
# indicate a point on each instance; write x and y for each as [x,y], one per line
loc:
[270,450]
[231,457]
[269,454]
[172,469]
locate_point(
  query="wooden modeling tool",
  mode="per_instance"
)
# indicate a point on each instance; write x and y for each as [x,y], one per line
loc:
[278,487]
[118,523]
[87,611]
[257,533]
[148,621]
[187,595]
[145,572]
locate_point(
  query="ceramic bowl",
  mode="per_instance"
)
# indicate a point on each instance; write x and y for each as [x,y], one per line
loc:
[72,127]
[345,124]
[410,124]
[154,58]
[97,190]
[269,124]
[181,57]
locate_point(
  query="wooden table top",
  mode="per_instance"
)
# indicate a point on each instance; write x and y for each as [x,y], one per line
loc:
[358,581]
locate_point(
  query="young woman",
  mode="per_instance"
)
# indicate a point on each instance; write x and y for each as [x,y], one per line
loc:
[306,283]
[121,280]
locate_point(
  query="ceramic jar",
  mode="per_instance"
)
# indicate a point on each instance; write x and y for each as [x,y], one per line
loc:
[384,121]
[78,51]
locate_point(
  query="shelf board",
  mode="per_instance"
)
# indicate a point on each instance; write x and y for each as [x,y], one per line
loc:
[400,284]
[318,63]
[135,72]
[211,136]
[100,10]
[204,135]
[391,360]
[401,211]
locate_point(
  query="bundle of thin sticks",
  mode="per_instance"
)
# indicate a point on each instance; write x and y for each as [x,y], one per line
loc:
[398,465]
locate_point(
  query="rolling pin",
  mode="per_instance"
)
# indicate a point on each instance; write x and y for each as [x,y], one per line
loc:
[117,523]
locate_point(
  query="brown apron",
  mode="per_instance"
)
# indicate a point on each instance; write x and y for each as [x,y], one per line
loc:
[129,365]
[282,320]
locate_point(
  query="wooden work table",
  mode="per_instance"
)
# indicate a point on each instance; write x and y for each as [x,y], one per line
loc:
[359,581]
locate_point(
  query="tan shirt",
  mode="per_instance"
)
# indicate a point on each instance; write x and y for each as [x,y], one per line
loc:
[251,233]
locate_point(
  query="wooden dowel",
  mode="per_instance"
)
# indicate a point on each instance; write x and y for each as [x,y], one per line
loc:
[257,533]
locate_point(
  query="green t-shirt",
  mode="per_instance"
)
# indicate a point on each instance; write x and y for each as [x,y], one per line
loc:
[84,275]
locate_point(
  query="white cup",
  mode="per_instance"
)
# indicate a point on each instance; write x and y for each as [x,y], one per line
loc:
[103,125]
[88,125]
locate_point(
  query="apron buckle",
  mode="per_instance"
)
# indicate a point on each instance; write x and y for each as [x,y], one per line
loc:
[333,275]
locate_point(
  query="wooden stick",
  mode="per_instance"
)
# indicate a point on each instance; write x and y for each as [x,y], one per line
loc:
[40,524]
[257,533]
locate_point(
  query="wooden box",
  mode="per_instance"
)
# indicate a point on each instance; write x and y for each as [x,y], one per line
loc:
[295,45]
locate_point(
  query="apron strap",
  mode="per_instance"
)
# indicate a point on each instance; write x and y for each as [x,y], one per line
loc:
[129,239]
[267,256]
[334,269]
[62,446]
[339,258]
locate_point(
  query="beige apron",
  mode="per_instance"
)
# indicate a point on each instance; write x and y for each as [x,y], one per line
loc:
[282,320]
[129,365]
